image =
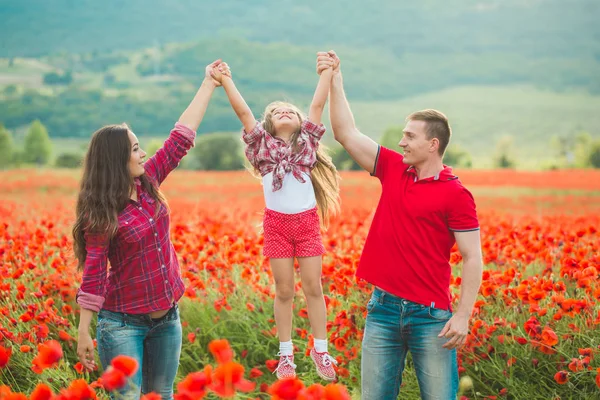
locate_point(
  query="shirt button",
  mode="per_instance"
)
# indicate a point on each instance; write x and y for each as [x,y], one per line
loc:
[151,220]
[159,249]
[163,266]
[140,208]
[155,234]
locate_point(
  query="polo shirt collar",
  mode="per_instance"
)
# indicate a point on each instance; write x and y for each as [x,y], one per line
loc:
[444,175]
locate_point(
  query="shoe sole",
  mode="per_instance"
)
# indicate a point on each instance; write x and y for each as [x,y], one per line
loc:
[285,377]
[321,375]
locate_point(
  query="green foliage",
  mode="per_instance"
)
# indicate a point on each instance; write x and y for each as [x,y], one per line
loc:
[68,160]
[218,152]
[6,147]
[574,150]
[18,158]
[343,161]
[594,157]
[504,153]
[109,79]
[10,90]
[152,147]
[456,156]
[38,146]
[391,137]
[54,78]
[581,149]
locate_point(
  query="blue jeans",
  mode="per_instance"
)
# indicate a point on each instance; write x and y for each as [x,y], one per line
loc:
[154,343]
[394,327]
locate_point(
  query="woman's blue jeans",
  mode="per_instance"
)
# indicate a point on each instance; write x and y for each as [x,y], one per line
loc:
[154,343]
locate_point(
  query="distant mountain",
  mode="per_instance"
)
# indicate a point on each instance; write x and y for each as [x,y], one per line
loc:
[140,60]
[533,28]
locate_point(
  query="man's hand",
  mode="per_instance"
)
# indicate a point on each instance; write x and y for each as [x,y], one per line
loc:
[455,330]
[336,61]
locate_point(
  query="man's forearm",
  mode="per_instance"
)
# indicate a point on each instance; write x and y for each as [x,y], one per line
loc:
[469,288]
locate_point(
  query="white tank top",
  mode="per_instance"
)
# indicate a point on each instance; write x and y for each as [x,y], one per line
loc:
[294,196]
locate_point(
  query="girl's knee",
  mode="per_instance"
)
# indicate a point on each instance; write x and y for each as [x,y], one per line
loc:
[312,289]
[284,293]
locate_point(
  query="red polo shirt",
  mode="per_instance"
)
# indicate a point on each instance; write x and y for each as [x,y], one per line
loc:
[407,251]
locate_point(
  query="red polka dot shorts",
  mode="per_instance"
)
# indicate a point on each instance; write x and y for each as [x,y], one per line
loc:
[292,235]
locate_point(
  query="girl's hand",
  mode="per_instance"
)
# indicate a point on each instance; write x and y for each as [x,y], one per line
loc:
[324,61]
[219,71]
[208,72]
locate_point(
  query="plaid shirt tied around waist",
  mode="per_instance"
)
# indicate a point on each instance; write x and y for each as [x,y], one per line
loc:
[270,154]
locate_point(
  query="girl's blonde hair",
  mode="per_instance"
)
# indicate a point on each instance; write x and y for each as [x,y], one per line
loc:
[324,175]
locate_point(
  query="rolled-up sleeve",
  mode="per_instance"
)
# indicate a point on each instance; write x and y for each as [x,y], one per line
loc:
[315,132]
[168,157]
[95,272]
[253,141]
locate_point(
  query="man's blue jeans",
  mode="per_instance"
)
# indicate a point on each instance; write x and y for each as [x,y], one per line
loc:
[394,327]
[154,343]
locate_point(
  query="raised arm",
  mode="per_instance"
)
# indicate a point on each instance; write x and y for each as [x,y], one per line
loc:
[361,148]
[182,136]
[320,97]
[193,114]
[243,112]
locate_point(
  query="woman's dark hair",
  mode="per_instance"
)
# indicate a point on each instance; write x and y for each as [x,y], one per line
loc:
[106,186]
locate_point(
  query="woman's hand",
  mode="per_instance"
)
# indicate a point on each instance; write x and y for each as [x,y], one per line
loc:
[85,350]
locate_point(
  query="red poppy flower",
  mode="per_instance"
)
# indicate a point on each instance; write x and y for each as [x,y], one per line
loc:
[127,365]
[113,379]
[561,377]
[221,350]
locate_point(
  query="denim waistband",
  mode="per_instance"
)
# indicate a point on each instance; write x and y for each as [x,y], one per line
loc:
[382,296]
[139,318]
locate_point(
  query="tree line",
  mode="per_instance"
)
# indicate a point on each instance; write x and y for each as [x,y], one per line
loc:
[223,151]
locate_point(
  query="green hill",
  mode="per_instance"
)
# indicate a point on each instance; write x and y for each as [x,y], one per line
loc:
[482,115]
[562,28]
[530,69]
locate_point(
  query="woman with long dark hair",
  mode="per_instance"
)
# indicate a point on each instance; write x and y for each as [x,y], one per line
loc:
[123,219]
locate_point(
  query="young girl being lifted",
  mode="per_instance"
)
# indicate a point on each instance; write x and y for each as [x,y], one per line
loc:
[300,185]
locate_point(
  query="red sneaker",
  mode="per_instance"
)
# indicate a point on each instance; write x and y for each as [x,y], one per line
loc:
[286,367]
[323,362]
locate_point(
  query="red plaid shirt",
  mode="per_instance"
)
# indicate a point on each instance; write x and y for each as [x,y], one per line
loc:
[144,273]
[268,153]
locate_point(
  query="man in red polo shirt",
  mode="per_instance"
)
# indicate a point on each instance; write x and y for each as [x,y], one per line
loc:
[422,212]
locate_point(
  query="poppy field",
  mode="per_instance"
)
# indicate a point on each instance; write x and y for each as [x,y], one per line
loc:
[535,331]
